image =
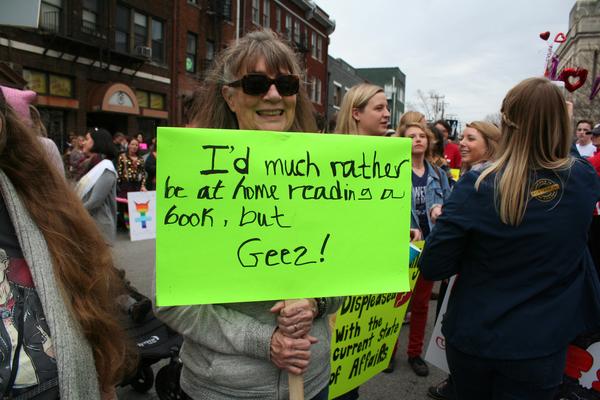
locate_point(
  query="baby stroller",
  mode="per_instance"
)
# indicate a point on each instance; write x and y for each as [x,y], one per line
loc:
[155,341]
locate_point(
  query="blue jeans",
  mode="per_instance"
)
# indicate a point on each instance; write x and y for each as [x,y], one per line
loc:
[477,378]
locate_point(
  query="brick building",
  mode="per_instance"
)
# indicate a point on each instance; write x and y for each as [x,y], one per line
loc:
[94,63]
[306,26]
[203,28]
[128,65]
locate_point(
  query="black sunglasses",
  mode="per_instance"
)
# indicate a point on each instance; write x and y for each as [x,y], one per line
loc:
[259,84]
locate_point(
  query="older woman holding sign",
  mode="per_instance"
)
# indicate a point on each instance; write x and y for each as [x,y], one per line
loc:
[242,350]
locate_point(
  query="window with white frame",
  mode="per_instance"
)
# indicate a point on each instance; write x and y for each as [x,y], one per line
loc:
[313,45]
[140,29]
[319,48]
[288,26]
[277,19]
[312,88]
[297,31]
[256,12]
[337,94]
[318,91]
[266,15]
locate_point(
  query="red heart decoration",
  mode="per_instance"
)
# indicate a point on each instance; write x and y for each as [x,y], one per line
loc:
[544,35]
[401,299]
[560,38]
[579,73]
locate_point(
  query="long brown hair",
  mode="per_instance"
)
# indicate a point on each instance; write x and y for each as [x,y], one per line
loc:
[209,109]
[536,134]
[82,261]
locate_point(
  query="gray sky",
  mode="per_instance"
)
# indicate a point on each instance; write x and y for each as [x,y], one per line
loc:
[471,51]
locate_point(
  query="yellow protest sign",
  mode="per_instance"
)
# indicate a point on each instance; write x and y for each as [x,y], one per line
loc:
[249,216]
[365,333]
[455,173]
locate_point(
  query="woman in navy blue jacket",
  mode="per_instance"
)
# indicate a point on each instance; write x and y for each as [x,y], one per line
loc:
[516,235]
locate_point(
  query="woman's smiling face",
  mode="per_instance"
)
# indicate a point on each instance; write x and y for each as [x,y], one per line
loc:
[267,112]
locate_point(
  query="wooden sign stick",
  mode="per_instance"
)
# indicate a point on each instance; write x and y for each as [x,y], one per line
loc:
[295,382]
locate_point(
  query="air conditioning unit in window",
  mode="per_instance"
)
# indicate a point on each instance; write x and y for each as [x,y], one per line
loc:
[143,51]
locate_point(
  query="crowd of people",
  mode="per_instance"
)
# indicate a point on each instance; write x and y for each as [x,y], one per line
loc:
[519,228]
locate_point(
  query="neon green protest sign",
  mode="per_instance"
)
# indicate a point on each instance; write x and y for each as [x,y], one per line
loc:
[365,333]
[251,216]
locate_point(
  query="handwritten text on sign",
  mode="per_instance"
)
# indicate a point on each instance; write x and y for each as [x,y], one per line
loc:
[249,216]
[365,333]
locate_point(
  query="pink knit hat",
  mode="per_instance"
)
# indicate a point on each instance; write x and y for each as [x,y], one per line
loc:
[19,101]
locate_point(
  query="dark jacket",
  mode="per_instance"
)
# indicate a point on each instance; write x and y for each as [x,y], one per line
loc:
[522,292]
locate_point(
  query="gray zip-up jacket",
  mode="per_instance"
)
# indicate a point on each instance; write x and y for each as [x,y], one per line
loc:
[226,351]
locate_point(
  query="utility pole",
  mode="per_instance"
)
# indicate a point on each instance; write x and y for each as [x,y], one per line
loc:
[393,102]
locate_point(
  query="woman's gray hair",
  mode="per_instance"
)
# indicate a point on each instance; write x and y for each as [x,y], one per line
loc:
[209,109]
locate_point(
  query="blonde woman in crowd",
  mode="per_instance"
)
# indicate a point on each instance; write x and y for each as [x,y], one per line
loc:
[478,147]
[516,235]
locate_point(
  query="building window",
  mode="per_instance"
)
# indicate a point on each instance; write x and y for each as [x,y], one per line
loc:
[305,38]
[147,38]
[318,91]
[288,27]
[61,86]
[297,31]
[337,94]
[157,101]
[49,84]
[312,83]
[266,16]
[227,10]
[191,52]
[277,19]
[122,29]
[36,81]
[89,16]
[319,48]
[140,29]
[313,45]
[210,50]
[50,15]
[255,12]
[143,98]
[158,41]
